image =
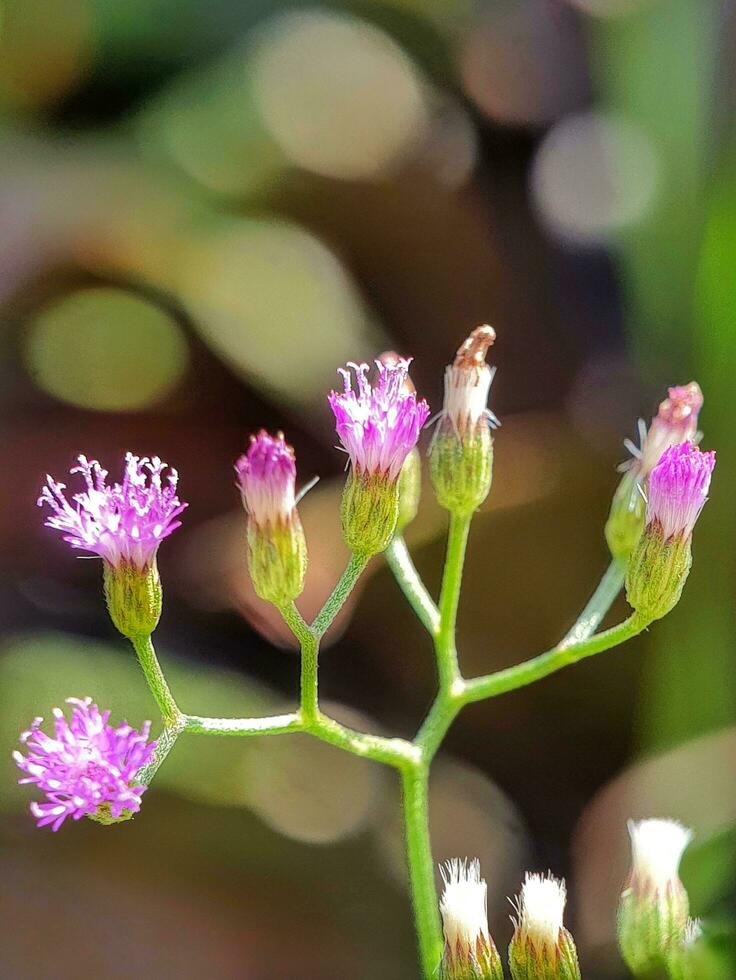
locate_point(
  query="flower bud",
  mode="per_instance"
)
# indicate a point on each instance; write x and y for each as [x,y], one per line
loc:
[676,422]
[461,454]
[277,550]
[653,911]
[469,952]
[541,947]
[660,563]
[379,426]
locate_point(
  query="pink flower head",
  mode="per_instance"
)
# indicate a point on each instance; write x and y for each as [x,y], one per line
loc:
[678,489]
[123,522]
[378,424]
[85,765]
[266,477]
[676,421]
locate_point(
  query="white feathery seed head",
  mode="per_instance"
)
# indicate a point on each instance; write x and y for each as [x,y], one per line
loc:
[468,381]
[657,847]
[463,904]
[540,908]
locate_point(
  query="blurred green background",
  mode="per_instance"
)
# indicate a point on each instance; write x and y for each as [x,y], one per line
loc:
[204,209]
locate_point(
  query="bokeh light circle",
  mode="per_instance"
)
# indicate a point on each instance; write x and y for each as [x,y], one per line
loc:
[338,95]
[105,349]
[274,302]
[594,175]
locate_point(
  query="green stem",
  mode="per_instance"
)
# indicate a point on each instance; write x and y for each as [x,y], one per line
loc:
[271,725]
[340,593]
[445,647]
[598,605]
[405,573]
[545,664]
[164,744]
[415,788]
[143,646]
[309,643]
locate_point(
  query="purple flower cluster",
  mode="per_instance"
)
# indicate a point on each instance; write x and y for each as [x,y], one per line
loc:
[378,424]
[678,489]
[88,764]
[266,477]
[123,522]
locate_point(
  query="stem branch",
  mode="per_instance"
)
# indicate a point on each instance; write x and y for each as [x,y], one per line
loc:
[598,605]
[405,573]
[143,646]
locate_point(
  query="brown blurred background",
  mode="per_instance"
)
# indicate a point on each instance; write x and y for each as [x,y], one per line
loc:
[204,210]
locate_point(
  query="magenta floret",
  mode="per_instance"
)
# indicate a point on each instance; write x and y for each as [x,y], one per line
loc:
[267,477]
[678,488]
[378,424]
[86,765]
[122,522]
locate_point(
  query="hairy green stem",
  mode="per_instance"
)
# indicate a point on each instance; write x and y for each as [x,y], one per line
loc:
[445,646]
[143,646]
[598,605]
[340,593]
[415,796]
[270,725]
[405,573]
[164,744]
[553,660]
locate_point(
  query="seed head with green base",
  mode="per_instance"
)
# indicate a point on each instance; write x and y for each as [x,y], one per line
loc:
[541,947]
[469,952]
[461,454]
[653,910]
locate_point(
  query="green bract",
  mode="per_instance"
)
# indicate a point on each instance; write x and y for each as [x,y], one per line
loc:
[657,573]
[277,559]
[370,510]
[133,597]
[461,467]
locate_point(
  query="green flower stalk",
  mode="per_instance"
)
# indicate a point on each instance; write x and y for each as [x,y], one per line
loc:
[469,952]
[541,947]
[277,550]
[676,422]
[653,910]
[660,564]
[378,425]
[461,454]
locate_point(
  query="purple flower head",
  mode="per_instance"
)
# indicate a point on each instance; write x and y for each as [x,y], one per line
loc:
[378,424]
[678,489]
[123,522]
[266,477]
[85,765]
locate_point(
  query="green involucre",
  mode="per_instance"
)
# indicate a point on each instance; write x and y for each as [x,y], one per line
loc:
[529,962]
[370,510]
[657,573]
[461,467]
[650,926]
[277,559]
[133,597]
